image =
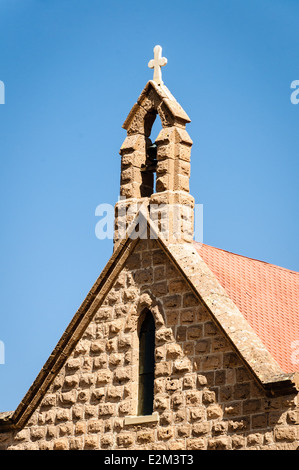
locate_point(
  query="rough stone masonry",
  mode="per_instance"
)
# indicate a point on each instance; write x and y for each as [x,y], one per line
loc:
[205,398]
[216,387]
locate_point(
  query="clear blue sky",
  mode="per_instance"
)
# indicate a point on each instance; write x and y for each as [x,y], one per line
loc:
[72,71]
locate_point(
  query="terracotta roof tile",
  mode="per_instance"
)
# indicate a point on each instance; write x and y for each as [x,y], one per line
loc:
[268,297]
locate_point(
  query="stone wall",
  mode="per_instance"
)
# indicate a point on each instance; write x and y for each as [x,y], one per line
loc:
[205,398]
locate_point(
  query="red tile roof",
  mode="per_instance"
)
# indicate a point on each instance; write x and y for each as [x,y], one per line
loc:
[268,297]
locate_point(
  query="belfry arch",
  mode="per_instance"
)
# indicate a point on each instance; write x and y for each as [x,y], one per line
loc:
[173,145]
[156,172]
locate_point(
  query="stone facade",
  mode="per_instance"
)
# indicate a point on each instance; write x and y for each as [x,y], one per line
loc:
[205,395]
[216,387]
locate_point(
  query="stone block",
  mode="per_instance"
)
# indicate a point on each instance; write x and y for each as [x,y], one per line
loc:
[219,443]
[90,411]
[164,335]
[107,441]
[122,375]
[61,444]
[172,385]
[125,439]
[182,366]
[159,273]
[172,317]
[71,381]
[145,437]
[210,329]
[208,397]
[124,342]
[80,427]
[239,424]
[173,351]
[86,380]
[177,286]
[114,393]
[241,391]
[233,408]
[165,433]
[62,414]
[37,433]
[214,412]
[52,432]
[220,427]
[188,316]
[177,400]
[106,409]
[238,442]
[201,380]
[131,294]
[161,403]
[189,381]
[159,288]
[211,362]
[49,401]
[172,301]
[200,429]
[142,277]
[183,430]
[103,377]
[105,313]
[91,442]
[196,444]
[76,443]
[100,362]
[22,435]
[68,398]
[194,332]
[98,346]
[251,406]
[193,398]
[65,429]
[189,300]
[254,439]
[163,369]
[286,433]
[83,395]
[94,426]
[73,365]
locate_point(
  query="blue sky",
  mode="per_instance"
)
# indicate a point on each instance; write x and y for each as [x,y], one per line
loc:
[72,70]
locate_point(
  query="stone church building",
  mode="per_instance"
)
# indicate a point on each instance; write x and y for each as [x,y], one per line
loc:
[178,345]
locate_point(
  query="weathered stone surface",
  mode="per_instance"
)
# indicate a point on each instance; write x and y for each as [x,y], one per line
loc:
[204,397]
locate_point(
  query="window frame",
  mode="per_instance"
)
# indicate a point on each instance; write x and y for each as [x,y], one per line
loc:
[146,365]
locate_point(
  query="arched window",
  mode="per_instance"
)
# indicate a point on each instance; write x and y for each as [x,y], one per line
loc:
[146,365]
[152,124]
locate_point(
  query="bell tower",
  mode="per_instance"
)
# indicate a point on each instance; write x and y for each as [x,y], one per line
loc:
[168,159]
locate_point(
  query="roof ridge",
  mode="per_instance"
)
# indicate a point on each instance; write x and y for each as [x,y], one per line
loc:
[248,257]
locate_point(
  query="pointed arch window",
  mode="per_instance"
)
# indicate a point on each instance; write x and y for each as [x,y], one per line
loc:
[146,365]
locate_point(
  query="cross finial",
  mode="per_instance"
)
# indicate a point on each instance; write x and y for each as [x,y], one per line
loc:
[156,63]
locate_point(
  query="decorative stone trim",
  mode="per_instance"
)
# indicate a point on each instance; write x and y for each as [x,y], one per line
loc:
[153,418]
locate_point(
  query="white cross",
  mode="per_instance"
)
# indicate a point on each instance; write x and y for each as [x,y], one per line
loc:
[157,63]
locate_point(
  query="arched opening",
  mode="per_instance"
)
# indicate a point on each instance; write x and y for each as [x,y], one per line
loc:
[153,127]
[146,365]
[156,128]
